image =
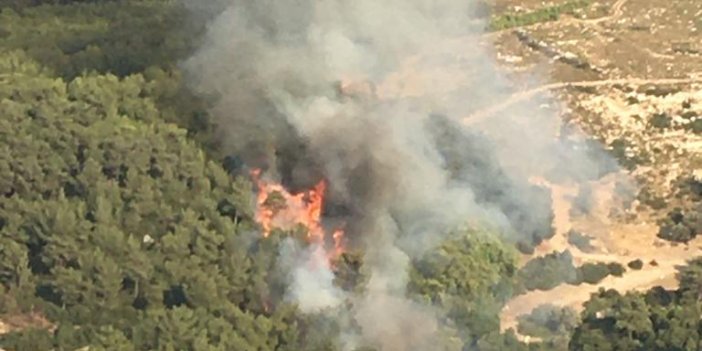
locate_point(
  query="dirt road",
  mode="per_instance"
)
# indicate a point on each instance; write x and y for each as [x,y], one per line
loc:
[575,295]
[524,95]
[615,246]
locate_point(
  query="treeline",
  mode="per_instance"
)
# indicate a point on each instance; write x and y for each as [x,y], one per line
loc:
[654,320]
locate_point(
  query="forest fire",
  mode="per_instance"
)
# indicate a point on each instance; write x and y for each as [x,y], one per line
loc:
[276,207]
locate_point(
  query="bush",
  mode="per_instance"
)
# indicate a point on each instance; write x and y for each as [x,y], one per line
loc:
[545,273]
[635,264]
[548,321]
[546,14]
[661,121]
[619,149]
[675,232]
[681,226]
[616,269]
[696,126]
[593,273]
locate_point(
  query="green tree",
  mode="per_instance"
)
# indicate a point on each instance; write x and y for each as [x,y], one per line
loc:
[470,276]
[112,220]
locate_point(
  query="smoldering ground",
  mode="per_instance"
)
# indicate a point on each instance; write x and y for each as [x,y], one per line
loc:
[403,173]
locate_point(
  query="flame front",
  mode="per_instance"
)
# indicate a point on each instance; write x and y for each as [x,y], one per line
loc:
[276,207]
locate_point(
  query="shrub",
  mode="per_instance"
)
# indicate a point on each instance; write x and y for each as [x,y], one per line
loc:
[635,264]
[548,321]
[696,126]
[616,269]
[661,121]
[545,273]
[681,226]
[593,273]
[545,14]
[675,232]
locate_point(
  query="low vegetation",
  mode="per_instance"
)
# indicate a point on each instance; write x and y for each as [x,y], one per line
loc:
[593,273]
[551,324]
[635,264]
[657,319]
[545,14]
[547,272]
[681,226]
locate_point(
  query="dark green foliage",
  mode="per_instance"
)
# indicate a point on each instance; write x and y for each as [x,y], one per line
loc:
[31,339]
[661,121]
[547,272]
[117,37]
[616,269]
[658,90]
[635,264]
[470,276]
[548,13]
[499,342]
[125,235]
[593,273]
[695,126]
[657,320]
[681,226]
[89,174]
[692,187]
[621,150]
[690,277]
[549,323]
[120,37]
[119,228]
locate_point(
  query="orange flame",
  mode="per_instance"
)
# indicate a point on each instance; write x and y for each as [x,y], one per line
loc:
[278,208]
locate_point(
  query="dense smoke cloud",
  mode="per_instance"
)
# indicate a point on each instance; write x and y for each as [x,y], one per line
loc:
[289,81]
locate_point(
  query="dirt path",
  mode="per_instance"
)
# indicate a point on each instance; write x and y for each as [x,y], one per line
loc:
[616,246]
[575,295]
[524,95]
[616,13]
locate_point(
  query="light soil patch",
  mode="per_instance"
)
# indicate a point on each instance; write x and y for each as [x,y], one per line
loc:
[615,242]
[17,322]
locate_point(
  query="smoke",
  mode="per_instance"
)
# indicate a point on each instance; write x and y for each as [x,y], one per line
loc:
[349,91]
[312,282]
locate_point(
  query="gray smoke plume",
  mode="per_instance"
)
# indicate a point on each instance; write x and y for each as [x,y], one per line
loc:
[312,282]
[371,95]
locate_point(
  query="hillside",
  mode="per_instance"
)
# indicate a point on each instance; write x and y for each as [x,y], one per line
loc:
[395,176]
